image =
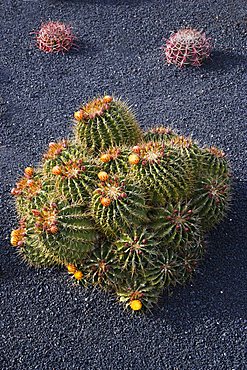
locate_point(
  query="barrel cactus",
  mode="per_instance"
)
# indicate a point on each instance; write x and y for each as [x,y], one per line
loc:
[186,47]
[105,122]
[55,37]
[119,208]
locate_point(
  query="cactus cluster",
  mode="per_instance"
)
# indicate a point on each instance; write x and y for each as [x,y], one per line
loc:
[186,47]
[120,208]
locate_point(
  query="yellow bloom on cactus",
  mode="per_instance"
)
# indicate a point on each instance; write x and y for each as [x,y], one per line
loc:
[135,304]
[103,176]
[78,115]
[16,237]
[78,275]
[29,171]
[134,159]
[71,268]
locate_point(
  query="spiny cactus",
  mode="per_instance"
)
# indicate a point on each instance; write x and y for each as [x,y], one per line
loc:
[167,270]
[164,173]
[106,122]
[137,293]
[136,250]
[35,252]
[177,223]
[75,232]
[55,37]
[72,171]
[122,209]
[212,190]
[31,191]
[64,232]
[186,47]
[100,267]
[160,133]
[118,203]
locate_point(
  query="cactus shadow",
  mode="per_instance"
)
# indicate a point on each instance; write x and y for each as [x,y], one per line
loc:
[218,287]
[85,47]
[102,2]
[4,76]
[223,60]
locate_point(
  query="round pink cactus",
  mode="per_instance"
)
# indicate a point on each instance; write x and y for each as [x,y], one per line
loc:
[55,37]
[187,47]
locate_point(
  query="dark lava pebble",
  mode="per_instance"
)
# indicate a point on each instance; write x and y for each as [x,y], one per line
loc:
[46,322]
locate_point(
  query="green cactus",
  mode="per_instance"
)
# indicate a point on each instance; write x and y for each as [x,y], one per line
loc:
[30,246]
[173,266]
[191,256]
[177,223]
[160,134]
[106,122]
[67,230]
[168,269]
[118,204]
[124,210]
[164,173]
[136,250]
[72,172]
[212,190]
[138,293]
[35,253]
[185,145]
[29,191]
[99,268]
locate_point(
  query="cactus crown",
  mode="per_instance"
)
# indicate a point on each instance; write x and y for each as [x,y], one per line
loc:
[123,209]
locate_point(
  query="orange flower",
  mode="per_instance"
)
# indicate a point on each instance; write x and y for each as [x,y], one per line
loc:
[78,275]
[78,115]
[103,176]
[56,170]
[134,159]
[29,171]
[71,268]
[105,201]
[107,98]
[105,158]
[135,304]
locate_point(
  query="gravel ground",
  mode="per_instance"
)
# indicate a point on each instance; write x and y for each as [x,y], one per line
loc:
[46,321]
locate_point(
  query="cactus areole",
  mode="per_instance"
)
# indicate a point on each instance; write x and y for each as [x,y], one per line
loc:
[119,208]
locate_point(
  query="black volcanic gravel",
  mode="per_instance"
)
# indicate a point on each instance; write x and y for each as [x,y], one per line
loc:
[45,321]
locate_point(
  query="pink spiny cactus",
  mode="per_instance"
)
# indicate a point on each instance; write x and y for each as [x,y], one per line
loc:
[187,47]
[55,37]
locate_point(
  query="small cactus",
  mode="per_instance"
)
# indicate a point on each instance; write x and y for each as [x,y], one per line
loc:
[58,231]
[187,47]
[136,250]
[178,223]
[118,203]
[105,122]
[55,37]
[162,171]
[99,268]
